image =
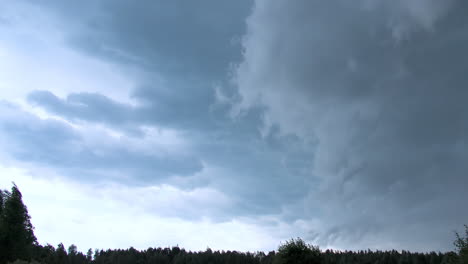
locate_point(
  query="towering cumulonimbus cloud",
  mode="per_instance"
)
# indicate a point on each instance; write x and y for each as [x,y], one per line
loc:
[381,88]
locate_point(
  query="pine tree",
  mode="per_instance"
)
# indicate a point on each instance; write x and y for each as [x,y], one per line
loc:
[3,197]
[1,201]
[17,240]
[89,255]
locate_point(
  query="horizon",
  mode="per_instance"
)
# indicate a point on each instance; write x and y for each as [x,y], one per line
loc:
[237,124]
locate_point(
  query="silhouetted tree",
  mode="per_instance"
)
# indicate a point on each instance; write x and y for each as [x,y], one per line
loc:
[60,254]
[296,251]
[89,255]
[3,241]
[17,239]
[2,199]
[462,246]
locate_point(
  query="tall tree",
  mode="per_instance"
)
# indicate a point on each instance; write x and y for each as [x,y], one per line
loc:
[1,201]
[61,254]
[3,197]
[18,237]
[89,255]
[462,246]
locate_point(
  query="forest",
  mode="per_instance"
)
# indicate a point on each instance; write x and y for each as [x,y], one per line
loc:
[19,245]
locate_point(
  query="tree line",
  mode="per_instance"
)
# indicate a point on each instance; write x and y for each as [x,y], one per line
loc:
[19,245]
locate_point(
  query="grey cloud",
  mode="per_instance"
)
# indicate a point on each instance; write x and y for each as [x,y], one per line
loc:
[89,107]
[387,109]
[263,175]
[54,143]
[158,107]
[255,168]
[83,106]
[189,46]
[194,38]
[176,54]
[43,138]
[366,102]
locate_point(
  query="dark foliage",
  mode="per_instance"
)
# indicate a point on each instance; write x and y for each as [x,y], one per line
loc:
[176,255]
[296,251]
[462,246]
[17,240]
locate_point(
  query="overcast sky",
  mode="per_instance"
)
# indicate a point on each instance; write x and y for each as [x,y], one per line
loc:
[237,124]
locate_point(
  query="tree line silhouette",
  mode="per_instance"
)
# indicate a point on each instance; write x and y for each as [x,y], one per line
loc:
[19,245]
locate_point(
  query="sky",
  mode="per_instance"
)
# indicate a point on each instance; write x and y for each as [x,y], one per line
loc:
[237,124]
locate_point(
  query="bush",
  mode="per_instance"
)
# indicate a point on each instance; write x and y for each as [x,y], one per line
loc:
[296,251]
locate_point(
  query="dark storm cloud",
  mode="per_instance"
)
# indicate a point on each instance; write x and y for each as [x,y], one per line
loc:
[199,39]
[180,49]
[265,171]
[87,107]
[382,88]
[191,46]
[157,106]
[366,102]
[55,143]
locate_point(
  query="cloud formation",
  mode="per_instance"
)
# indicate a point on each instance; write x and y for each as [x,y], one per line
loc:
[343,122]
[55,143]
[380,86]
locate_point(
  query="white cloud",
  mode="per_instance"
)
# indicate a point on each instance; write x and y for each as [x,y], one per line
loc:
[33,56]
[118,216]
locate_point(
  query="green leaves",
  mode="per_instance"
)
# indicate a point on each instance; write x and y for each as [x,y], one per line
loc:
[296,251]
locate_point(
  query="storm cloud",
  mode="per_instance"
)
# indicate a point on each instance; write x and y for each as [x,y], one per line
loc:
[54,142]
[381,87]
[343,122]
